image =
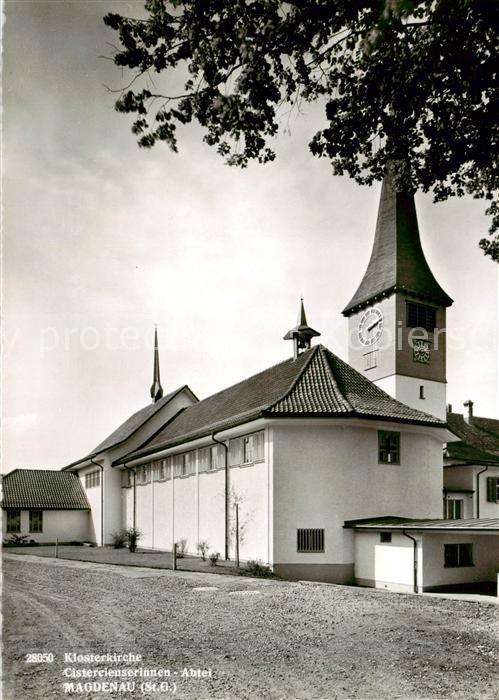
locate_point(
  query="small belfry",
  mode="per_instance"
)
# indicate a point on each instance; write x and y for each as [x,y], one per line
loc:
[301,334]
[156,388]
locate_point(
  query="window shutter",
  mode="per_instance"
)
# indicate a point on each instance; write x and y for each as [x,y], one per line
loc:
[491,489]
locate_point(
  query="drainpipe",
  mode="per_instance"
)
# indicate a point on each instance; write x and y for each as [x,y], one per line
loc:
[101,500]
[445,498]
[129,469]
[415,560]
[478,491]
[226,493]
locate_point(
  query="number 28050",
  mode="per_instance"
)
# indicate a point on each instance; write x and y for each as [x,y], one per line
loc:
[39,658]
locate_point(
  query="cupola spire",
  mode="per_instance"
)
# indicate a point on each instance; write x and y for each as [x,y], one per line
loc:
[301,334]
[156,388]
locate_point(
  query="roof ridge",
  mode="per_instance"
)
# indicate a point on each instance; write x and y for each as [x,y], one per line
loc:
[232,386]
[313,352]
[333,378]
[374,387]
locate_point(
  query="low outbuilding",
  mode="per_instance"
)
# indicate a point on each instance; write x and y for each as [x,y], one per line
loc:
[412,555]
[44,506]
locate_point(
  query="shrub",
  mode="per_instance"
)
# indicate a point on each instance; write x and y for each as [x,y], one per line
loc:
[181,548]
[214,557]
[119,538]
[16,540]
[256,568]
[203,548]
[132,537]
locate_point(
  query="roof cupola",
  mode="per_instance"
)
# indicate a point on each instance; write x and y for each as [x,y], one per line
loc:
[301,334]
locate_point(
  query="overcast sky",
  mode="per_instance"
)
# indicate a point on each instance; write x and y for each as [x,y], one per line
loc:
[101,240]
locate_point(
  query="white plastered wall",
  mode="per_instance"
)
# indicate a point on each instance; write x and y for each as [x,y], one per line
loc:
[64,525]
[324,475]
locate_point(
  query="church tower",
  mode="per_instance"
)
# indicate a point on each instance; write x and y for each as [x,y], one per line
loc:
[397,316]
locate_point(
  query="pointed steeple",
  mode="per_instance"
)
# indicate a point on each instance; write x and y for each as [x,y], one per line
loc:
[301,334]
[156,388]
[397,262]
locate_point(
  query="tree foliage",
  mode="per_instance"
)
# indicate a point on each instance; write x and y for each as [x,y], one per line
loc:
[407,82]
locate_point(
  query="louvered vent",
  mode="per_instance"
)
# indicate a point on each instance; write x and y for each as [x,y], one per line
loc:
[310,540]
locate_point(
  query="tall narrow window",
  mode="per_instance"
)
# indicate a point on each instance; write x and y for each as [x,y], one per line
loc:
[453,509]
[235,452]
[92,479]
[204,459]
[259,445]
[388,447]
[13,521]
[36,521]
[421,392]
[370,360]
[492,489]
[217,457]
[247,449]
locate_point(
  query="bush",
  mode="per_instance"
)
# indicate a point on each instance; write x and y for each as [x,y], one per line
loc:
[16,540]
[119,538]
[214,557]
[132,537]
[256,568]
[181,548]
[203,548]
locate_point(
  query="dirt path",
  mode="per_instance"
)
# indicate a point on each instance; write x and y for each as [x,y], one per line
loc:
[261,639]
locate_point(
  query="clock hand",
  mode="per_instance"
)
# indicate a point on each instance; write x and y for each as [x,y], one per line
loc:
[373,326]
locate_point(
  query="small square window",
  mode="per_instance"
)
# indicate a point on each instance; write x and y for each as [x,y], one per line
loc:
[458,554]
[385,536]
[421,316]
[388,447]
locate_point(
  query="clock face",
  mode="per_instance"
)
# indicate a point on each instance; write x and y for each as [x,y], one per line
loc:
[370,327]
[421,351]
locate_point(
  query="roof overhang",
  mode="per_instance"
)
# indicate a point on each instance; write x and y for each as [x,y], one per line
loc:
[474,526]
[143,456]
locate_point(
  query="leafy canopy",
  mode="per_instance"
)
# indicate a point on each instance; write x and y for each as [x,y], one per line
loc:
[407,82]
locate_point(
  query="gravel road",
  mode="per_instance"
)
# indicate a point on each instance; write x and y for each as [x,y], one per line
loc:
[250,638]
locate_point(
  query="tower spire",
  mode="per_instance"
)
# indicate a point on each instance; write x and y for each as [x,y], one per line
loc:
[156,388]
[301,334]
[397,262]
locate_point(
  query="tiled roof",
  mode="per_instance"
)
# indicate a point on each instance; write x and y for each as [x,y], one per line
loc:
[463,452]
[317,383]
[397,260]
[43,488]
[489,426]
[478,435]
[394,523]
[130,426]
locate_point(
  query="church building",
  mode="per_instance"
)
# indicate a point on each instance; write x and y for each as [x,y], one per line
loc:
[335,470]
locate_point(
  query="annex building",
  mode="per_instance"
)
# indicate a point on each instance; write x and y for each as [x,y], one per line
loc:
[338,471]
